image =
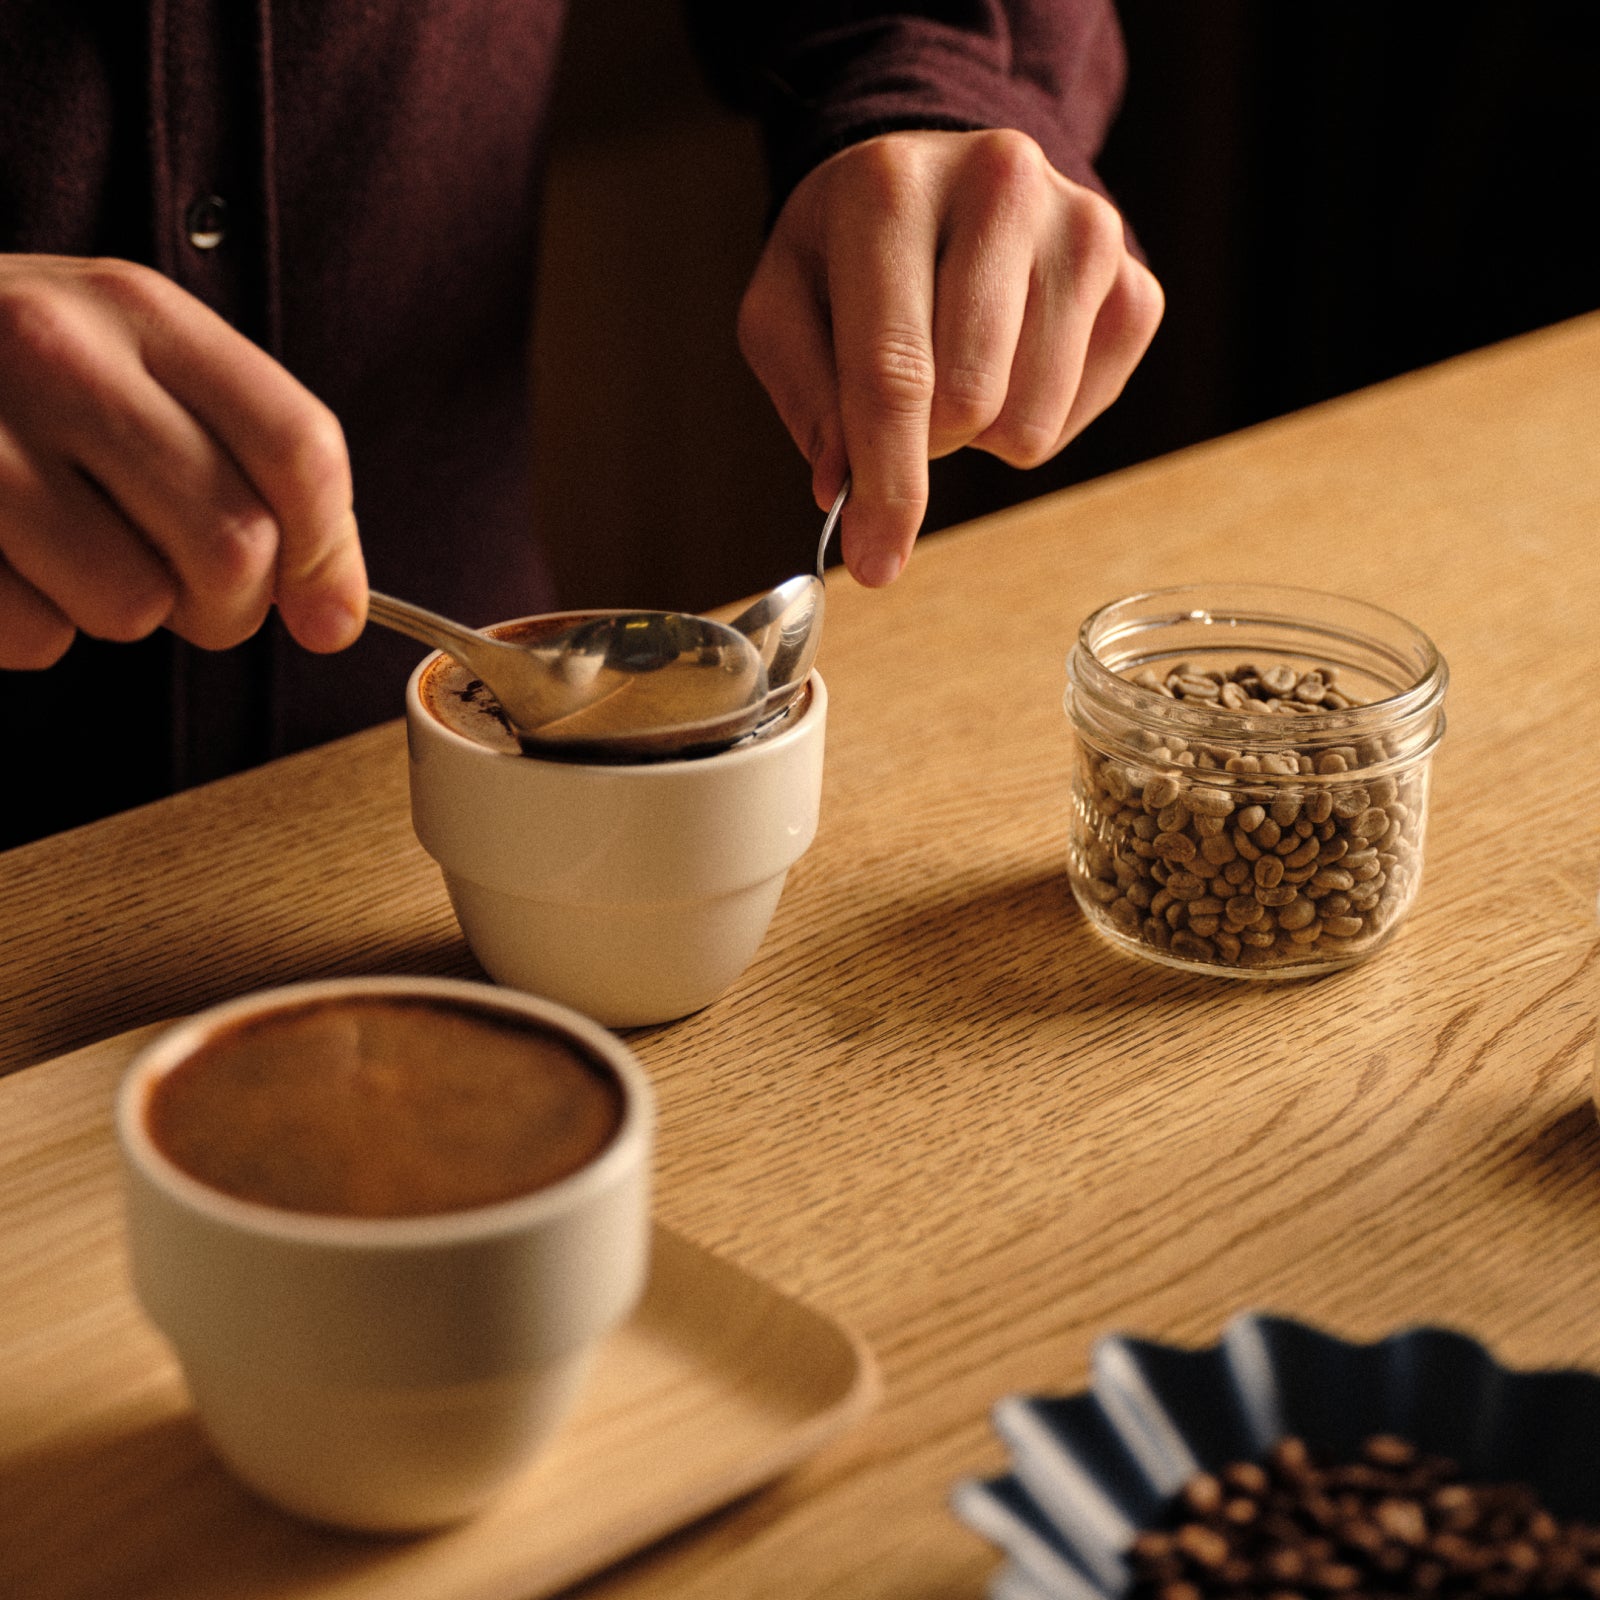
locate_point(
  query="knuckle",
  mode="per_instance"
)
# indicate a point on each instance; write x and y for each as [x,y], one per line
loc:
[1146,304]
[1023,442]
[37,330]
[1098,245]
[967,399]
[813,438]
[971,383]
[124,284]
[49,324]
[884,173]
[313,456]
[896,375]
[1008,162]
[236,552]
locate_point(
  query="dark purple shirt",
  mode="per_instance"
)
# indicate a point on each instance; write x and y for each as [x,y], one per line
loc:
[378,166]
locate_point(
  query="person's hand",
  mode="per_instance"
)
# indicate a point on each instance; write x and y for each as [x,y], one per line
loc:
[156,467]
[925,291]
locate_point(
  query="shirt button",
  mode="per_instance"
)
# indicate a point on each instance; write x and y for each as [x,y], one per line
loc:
[206,221]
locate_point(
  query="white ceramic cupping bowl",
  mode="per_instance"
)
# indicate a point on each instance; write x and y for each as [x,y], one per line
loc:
[386,1374]
[633,893]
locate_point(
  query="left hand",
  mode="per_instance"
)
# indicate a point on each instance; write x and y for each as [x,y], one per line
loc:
[923,291]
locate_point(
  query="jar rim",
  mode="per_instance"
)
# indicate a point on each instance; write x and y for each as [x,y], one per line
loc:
[1284,606]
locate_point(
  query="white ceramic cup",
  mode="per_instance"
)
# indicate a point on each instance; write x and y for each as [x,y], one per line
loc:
[387,1374]
[634,893]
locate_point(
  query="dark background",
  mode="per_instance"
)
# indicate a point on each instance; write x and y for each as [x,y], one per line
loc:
[1335,194]
[1330,194]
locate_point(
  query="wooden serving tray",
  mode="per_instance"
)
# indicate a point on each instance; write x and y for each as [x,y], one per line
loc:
[107,1486]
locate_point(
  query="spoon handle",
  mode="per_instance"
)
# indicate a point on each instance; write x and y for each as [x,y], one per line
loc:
[832,522]
[428,627]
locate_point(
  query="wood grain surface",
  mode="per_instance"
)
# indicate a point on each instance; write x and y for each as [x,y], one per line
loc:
[107,1488]
[938,1106]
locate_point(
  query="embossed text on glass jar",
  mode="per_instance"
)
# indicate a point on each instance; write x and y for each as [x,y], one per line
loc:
[1250,783]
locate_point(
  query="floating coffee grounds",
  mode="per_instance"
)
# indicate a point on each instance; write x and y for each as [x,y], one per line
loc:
[1251,857]
[1395,1522]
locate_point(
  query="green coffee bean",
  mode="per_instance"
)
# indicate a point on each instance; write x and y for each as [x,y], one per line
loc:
[1296,913]
[1243,856]
[1160,792]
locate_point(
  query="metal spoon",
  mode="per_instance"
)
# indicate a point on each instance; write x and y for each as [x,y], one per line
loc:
[624,683]
[785,624]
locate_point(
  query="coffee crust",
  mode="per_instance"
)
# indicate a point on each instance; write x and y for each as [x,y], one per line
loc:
[373,1107]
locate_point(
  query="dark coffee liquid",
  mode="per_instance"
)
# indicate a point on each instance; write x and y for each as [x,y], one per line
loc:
[462,703]
[384,1108]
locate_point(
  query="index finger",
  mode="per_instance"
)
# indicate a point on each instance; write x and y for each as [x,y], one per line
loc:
[291,448]
[881,290]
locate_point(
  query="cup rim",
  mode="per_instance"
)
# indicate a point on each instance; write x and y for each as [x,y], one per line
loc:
[418,716]
[627,1148]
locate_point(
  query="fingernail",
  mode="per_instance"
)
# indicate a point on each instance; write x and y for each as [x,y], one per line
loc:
[877,568]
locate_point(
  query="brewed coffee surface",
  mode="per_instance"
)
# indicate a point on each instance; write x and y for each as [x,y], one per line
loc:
[383,1108]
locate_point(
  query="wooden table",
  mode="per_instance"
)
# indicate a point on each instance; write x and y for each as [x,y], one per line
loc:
[938,1106]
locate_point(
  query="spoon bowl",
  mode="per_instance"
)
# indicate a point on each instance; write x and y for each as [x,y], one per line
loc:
[785,624]
[785,627]
[612,683]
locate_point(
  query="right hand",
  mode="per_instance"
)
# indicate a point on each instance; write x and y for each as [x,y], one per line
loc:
[157,468]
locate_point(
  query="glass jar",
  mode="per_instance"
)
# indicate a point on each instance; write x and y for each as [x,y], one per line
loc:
[1250,782]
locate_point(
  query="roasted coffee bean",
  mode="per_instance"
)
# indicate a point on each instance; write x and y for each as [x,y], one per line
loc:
[1396,1522]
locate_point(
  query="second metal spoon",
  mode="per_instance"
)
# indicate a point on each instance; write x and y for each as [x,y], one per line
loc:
[785,624]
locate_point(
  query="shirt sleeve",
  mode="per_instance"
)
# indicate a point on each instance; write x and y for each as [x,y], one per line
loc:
[824,74]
